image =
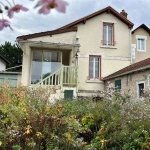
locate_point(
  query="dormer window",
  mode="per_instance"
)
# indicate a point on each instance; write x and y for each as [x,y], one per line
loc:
[108,34]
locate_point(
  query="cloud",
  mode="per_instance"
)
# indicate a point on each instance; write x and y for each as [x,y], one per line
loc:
[31,22]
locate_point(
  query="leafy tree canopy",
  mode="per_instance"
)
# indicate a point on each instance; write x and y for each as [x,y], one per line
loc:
[13,54]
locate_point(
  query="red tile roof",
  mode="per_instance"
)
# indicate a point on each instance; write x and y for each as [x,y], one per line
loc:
[107,10]
[144,64]
[50,33]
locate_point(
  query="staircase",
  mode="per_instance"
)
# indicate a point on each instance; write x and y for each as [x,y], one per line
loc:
[55,83]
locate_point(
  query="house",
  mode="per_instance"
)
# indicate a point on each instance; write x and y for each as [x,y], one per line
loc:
[3,62]
[140,43]
[75,57]
[134,78]
[11,78]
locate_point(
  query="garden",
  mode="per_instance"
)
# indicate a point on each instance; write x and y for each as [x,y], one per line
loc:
[114,121]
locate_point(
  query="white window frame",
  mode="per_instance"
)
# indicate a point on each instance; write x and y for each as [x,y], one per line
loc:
[107,35]
[142,38]
[137,87]
[99,69]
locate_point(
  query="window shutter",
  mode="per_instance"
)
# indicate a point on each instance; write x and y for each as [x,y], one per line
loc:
[118,85]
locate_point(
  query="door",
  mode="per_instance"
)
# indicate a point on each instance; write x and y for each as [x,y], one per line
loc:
[44,63]
[141,88]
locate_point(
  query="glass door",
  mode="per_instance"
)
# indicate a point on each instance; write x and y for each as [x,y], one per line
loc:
[44,63]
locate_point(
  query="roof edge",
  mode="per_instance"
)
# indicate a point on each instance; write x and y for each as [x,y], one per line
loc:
[142,68]
[142,26]
[50,33]
[4,59]
[108,9]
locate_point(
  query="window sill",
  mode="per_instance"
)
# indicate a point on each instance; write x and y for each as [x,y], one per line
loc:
[108,46]
[94,81]
[141,50]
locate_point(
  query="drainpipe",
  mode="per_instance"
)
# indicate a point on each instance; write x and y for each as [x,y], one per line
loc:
[130,45]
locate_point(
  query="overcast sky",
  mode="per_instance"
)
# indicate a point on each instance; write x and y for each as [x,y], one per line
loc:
[31,22]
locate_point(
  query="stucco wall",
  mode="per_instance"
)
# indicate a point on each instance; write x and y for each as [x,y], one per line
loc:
[2,65]
[90,35]
[129,82]
[26,65]
[67,38]
[113,58]
[141,55]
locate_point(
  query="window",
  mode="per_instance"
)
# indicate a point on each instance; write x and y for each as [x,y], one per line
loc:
[94,67]
[141,43]
[108,34]
[117,85]
[140,88]
[44,63]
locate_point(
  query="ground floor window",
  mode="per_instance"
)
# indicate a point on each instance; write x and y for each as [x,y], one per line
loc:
[94,67]
[118,85]
[44,63]
[140,88]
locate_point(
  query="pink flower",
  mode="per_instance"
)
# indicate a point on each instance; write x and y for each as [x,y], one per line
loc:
[4,23]
[16,9]
[47,5]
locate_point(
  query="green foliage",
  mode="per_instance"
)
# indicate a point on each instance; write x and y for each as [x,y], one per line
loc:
[28,122]
[16,147]
[13,54]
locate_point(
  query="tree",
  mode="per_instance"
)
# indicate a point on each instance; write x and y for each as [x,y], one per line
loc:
[13,54]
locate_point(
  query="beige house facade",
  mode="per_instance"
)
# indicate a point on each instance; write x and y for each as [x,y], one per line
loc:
[78,55]
[140,43]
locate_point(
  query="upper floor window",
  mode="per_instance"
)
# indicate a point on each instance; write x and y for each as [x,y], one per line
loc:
[94,67]
[108,34]
[141,43]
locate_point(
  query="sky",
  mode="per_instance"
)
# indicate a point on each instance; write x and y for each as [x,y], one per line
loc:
[31,22]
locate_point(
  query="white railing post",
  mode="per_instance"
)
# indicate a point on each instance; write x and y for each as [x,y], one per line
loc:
[61,77]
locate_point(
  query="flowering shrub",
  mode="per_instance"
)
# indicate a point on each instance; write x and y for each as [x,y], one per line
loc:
[9,9]
[28,121]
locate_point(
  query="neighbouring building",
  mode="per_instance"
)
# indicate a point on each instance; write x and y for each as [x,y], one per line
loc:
[8,78]
[133,78]
[140,43]
[3,62]
[75,57]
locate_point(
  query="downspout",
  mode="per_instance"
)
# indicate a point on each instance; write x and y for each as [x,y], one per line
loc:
[130,45]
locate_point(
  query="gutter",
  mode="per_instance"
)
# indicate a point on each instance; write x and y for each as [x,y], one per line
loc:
[47,43]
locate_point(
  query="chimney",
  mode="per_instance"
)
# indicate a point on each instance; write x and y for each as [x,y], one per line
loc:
[123,13]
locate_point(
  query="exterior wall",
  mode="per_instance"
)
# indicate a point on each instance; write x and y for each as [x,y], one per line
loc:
[26,65]
[141,55]
[2,65]
[67,38]
[10,78]
[129,82]
[90,35]
[19,80]
[113,57]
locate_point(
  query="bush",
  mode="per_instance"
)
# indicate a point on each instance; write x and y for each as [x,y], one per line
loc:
[28,121]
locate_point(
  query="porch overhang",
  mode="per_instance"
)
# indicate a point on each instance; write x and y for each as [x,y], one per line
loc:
[48,44]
